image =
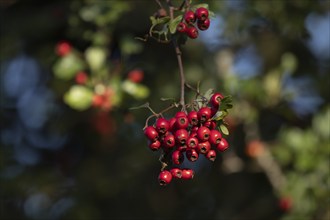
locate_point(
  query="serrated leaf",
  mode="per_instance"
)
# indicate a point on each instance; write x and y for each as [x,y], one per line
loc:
[208,94]
[224,129]
[219,115]
[226,103]
[174,23]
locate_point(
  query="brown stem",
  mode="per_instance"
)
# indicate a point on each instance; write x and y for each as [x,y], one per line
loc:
[179,58]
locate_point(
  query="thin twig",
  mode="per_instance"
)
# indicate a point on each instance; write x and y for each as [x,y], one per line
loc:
[159,3]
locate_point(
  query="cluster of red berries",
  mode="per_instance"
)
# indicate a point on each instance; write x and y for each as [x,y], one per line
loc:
[189,134]
[187,25]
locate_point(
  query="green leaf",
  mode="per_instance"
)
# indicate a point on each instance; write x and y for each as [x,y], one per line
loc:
[220,115]
[208,94]
[78,97]
[226,103]
[138,91]
[224,129]
[66,67]
[156,21]
[95,57]
[153,20]
[174,23]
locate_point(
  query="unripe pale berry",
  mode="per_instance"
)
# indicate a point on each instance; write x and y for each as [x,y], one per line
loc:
[164,177]
[223,145]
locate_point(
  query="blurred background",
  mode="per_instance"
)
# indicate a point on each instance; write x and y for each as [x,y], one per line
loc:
[71,148]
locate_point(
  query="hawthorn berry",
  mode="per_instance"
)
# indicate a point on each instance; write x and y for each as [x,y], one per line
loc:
[193,118]
[204,114]
[182,27]
[135,75]
[204,147]
[211,155]
[203,133]
[223,145]
[181,122]
[187,174]
[155,145]
[192,32]
[181,136]
[210,124]
[151,133]
[202,13]
[190,17]
[192,142]
[164,177]
[177,157]
[215,100]
[162,125]
[63,48]
[169,141]
[192,154]
[215,137]
[171,123]
[81,78]
[176,173]
[97,100]
[203,25]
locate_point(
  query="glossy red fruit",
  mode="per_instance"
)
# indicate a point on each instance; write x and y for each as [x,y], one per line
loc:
[187,174]
[181,120]
[151,133]
[176,173]
[202,13]
[135,75]
[192,154]
[164,177]
[155,145]
[203,134]
[203,25]
[177,157]
[190,17]
[182,27]
[193,118]
[81,78]
[204,114]
[211,155]
[223,145]
[63,48]
[192,32]
[204,147]
[192,142]
[162,125]
[210,124]
[171,123]
[169,141]
[215,137]
[181,136]
[215,100]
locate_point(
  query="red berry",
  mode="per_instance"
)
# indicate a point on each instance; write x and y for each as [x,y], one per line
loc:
[211,155]
[204,147]
[97,100]
[151,133]
[182,148]
[203,133]
[155,145]
[176,173]
[81,78]
[203,25]
[215,137]
[63,48]
[181,136]
[202,13]
[169,141]
[192,32]
[187,174]
[204,114]
[180,114]
[210,124]
[182,27]
[182,122]
[190,17]
[193,118]
[164,177]
[135,75]
[172,124]
[177,157]
[215,100]
[192,142]
[223,145]
[192,154]
[162,125]
[285,204]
